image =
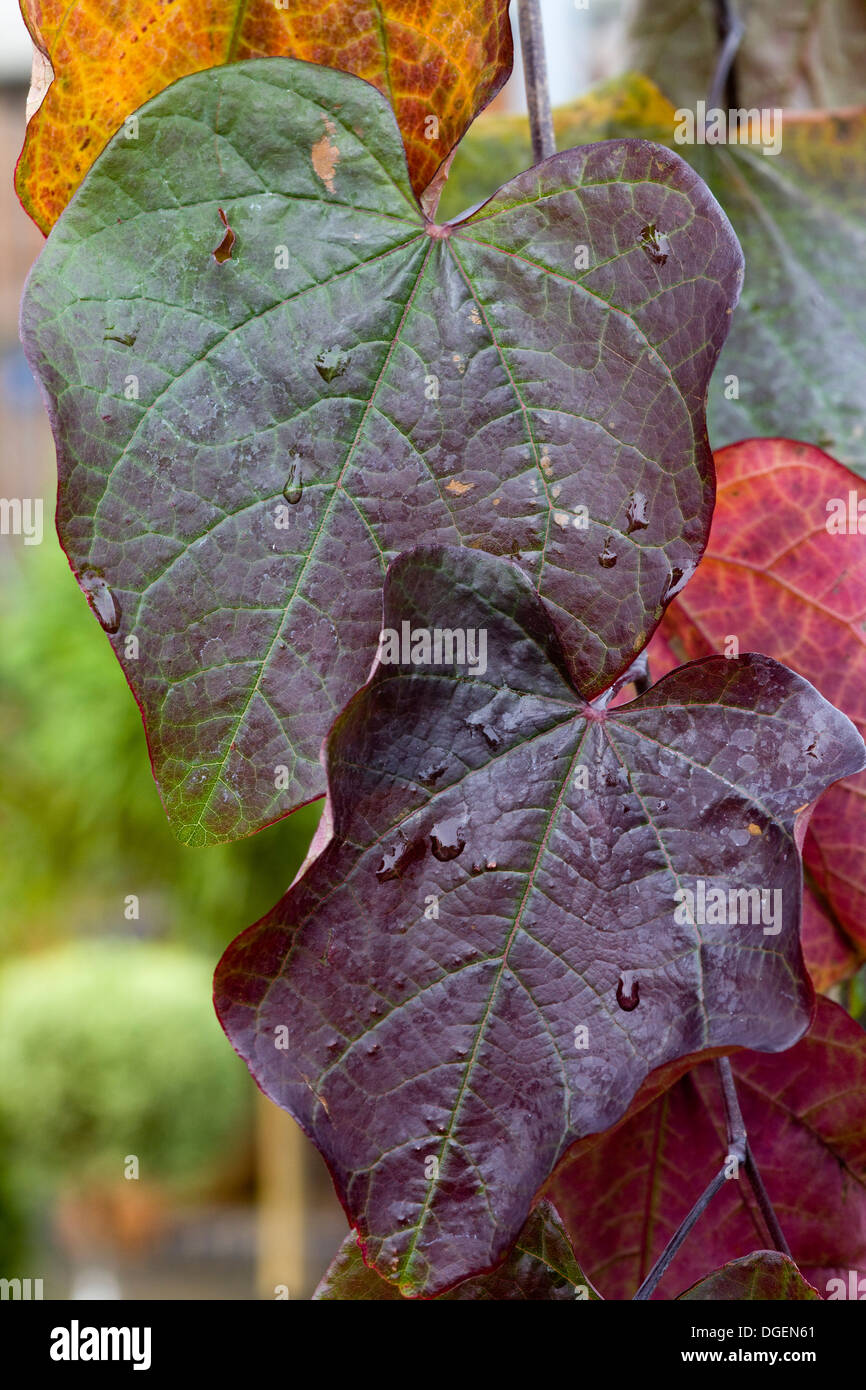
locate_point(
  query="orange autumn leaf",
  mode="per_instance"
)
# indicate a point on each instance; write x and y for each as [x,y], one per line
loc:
[438,63]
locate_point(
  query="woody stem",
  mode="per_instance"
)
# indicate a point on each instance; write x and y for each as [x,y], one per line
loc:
[535,77]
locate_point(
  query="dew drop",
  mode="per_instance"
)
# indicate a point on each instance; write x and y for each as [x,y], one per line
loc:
[448,838]
[397,859]
[636,513]
[101,600]
[607,558]
[430,775]
[373,1049]
[628,992]
[654,243]
[294,488]
[677,580]
[331,363]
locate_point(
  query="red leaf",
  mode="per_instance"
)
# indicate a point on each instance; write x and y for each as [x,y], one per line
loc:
[774,577]
[623,1194]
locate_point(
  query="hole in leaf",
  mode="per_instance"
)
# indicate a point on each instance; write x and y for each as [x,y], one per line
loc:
[224,250]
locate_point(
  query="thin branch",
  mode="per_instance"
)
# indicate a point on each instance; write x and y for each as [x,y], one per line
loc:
[777,1235]
[738,1138]
[535,77]
[738,1148]
[650,1283]
[735,1125]
[730,29]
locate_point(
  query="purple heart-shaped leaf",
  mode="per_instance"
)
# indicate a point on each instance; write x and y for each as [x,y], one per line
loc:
[519,904]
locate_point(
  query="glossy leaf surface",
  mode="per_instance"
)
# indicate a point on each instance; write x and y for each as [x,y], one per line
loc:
[496,944]
[245,438]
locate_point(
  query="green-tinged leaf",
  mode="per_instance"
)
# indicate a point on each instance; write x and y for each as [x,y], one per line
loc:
[541,1265]
[763,1275]
[795,361]
[268,373]
[797,346]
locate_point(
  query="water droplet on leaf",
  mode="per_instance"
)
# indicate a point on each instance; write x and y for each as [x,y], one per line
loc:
[677,580]
[430,775]
[331,363]
[628,992]
[398,858]
[101,600]
[448,838]
[636,513]
[607,558]
[294,488]
[654,243]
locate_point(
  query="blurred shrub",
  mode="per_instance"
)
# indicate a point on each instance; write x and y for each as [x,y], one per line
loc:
[81,824]
[112,1049]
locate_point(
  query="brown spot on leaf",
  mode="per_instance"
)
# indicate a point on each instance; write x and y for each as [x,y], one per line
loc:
[457,487]
[326,156]
[754,829]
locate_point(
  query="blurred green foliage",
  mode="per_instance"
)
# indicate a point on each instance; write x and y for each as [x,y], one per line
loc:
[497,146]
[81,824]
[110,1049]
